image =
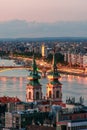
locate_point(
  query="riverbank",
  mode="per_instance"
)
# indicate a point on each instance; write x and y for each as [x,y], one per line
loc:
[62,70]
[73,73]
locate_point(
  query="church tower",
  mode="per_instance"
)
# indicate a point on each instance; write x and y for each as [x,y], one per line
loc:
[33,89]
[54,87]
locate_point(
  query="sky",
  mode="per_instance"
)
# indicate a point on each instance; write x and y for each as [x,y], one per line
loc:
[43,10]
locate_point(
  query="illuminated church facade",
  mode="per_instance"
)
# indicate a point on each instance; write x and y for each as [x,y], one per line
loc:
[53,88]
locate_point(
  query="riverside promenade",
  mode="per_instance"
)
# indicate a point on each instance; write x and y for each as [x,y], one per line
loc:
[45,67]
[73,71]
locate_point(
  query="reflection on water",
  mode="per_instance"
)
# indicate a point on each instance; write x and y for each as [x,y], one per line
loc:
[74,86]
[14,73]
[13,86]
[13,83]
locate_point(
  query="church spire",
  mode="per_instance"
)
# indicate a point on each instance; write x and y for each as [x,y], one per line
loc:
[33,89]
[54,67]
[34,76]
[34,66]
[54,87]
[54,74]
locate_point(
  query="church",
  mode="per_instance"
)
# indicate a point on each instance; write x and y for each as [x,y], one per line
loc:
[53,88]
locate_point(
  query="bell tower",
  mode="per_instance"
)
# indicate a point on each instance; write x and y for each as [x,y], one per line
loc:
[54,87]
[33,88]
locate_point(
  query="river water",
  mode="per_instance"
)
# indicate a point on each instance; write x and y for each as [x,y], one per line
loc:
[13,83]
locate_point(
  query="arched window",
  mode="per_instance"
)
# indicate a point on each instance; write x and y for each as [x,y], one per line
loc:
[50,94]
[29,95]
[57,94]
[37,95]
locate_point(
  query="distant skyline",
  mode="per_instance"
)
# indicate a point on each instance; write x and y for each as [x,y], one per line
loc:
[43,10]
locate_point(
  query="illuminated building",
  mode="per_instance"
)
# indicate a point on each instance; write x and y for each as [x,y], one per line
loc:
[44,51]
[79,59]
[85,60]
[54,87]
[33,89]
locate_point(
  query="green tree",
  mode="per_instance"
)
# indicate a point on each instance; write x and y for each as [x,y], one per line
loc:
[59,58]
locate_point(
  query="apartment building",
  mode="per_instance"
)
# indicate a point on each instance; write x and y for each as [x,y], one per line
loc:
[79,59]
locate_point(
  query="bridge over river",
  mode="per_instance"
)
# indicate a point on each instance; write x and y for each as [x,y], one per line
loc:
[13,67]
[43,70]
[5,68]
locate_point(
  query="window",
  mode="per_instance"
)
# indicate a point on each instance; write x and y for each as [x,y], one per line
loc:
[29,95]
[37,95]
[57,94]
[50,94]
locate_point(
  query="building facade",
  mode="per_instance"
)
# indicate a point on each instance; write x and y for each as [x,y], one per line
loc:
[54,87]
[78,59]
[33,88]
[44,51]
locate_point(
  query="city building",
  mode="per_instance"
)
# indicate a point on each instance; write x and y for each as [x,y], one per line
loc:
[24,119]
[73,117]
[49,110]
[44,51]
[79,59]
[85,60]
[34,89]
[54,87]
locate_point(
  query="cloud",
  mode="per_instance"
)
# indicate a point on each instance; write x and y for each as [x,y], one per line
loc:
[21,28]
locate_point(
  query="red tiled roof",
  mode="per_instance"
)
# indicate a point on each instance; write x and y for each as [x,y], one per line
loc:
[7,99]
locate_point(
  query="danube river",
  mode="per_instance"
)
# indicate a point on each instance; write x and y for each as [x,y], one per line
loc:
[13,83]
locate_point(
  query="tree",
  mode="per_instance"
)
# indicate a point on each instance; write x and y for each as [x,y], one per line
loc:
[58,57]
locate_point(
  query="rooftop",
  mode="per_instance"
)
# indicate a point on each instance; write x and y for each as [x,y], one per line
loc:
[8,99]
